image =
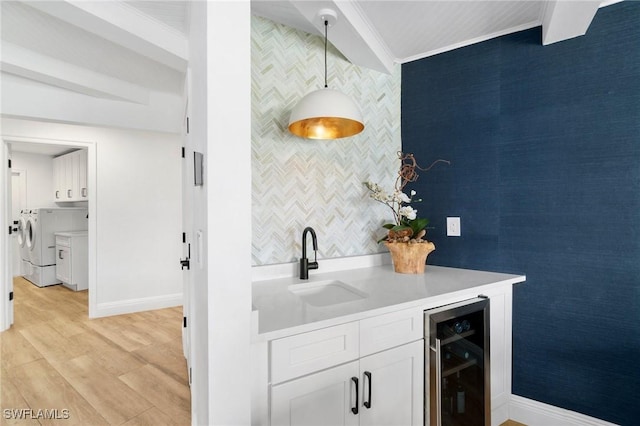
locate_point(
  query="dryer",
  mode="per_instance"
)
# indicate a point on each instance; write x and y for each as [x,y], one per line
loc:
[22,241]
[41,241]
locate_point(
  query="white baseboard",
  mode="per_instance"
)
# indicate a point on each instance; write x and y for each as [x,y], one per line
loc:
[534,413]
[137,305]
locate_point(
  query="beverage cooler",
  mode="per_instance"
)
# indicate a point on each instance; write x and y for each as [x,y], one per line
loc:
[457,364]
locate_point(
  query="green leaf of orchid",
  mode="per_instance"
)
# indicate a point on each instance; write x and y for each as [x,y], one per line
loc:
[383,239]
[418,225]
[400,227]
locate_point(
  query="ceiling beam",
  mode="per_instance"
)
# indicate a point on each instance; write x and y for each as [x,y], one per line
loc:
[352,34]
[44,69]
[123,25]
[563,19]
[24,99]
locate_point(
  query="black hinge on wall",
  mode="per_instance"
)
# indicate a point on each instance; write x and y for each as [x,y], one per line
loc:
[184,237]
[187,125]
[184,322]
[9,162]
[10,229]
[10,296]
[183,152]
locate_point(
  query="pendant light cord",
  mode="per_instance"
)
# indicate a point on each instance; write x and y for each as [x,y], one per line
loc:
[326,25]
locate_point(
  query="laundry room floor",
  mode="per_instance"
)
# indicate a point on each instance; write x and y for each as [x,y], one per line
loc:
[57,366]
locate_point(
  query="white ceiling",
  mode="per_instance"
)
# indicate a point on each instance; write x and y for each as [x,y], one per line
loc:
[127,51]
[380,33]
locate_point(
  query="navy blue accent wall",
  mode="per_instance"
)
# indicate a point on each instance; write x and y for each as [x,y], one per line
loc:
[545,149]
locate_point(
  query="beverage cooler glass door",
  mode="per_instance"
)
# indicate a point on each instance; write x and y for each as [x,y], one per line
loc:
[458,364]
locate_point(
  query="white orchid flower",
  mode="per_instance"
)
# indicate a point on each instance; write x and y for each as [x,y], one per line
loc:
[403,198]
[408,212]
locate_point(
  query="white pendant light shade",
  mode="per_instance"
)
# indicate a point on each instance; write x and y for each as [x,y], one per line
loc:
[325,114]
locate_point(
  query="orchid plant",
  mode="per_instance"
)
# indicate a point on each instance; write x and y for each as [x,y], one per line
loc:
[407,225]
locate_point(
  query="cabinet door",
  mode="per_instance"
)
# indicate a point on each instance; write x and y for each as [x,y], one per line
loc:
[58,179]
[321,399]
[73,171]
[67,162]
[83,193]
[63,264]
[393,386]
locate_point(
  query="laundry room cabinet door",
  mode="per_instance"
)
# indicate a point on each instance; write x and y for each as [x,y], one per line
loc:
[63,264]
[83,190]
[58,178]
[70,177]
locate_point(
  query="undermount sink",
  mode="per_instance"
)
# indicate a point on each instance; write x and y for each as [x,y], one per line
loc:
[325,293]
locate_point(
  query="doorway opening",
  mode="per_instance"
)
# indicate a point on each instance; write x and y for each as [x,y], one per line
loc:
[37,214]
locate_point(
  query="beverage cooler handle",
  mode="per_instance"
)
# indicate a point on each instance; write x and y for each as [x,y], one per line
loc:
[438,351]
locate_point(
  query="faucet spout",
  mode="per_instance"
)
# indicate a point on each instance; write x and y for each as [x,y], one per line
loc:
[305,265]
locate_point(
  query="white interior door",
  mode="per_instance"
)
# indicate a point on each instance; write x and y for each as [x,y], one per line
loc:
[6,242]
[18,203]
[187,237]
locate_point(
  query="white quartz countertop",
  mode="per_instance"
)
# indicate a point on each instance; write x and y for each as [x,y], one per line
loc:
[279,312]
[72,233]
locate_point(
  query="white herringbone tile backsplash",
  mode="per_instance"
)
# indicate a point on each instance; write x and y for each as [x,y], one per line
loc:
[298,182]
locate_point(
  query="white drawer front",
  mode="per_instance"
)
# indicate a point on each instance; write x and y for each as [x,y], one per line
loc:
[308,352]
[389,330]
[63,241]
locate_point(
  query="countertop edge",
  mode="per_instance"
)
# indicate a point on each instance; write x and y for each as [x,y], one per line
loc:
[423,303]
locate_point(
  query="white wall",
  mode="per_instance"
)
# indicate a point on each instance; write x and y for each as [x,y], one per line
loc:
[220,100]
[138,212]
[39,170]
[298,182]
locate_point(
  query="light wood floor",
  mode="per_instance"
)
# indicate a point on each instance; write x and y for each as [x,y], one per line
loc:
[127,369]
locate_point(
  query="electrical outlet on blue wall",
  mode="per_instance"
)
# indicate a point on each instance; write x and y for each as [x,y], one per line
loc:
[453,227]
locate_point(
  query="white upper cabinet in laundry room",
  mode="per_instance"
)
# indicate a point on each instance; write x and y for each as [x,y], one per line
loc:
[70,177]
[83,190]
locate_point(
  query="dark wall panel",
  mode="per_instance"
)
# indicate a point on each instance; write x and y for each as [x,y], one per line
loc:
[545,150]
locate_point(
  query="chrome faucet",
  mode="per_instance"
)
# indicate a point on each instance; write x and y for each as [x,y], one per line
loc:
[305,265]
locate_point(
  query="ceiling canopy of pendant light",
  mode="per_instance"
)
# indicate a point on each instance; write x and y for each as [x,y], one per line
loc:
[326,113]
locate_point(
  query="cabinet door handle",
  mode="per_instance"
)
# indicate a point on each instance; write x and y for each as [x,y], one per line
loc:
[69,193]
[84,192]
[59,254]
[367,375]
[354,409]
[57,194]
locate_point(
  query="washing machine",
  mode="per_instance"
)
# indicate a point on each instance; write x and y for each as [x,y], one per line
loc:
[41,241]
